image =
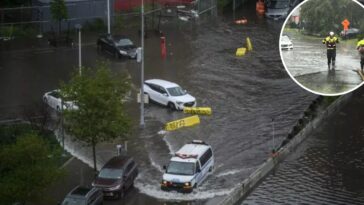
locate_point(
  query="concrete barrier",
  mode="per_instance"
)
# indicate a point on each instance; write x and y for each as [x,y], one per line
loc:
[244,188]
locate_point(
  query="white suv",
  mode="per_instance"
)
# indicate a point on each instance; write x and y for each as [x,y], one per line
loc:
[189,167]
[169,94]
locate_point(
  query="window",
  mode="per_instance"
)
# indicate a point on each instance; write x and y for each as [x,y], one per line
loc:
[205,157]
[153,87]
[162,90]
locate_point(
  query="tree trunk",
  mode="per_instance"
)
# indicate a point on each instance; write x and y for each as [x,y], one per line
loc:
[94,155]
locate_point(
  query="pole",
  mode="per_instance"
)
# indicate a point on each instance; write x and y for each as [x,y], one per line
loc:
[273,147]
[142,124]
[108,17]
[62,128]
[79,52]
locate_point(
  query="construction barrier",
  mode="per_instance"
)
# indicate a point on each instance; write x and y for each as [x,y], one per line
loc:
[198,110]
[185,122]
[249,45]
[240,52]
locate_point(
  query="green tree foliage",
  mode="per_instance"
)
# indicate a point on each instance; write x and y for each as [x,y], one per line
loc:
[100,97]
[59,12]
[26,169]
[321,17]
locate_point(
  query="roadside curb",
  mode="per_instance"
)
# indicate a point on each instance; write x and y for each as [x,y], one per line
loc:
[67,162]
[248,185]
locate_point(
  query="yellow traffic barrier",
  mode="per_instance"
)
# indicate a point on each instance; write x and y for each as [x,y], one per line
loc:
[249,44]
[198,110]
[185,122]
[240,52]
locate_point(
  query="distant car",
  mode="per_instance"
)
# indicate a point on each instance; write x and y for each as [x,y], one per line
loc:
[116,176]
[189,167]
[351,33]
[286,43]
[84,196]
[169,94]
[117,45]
[54,100]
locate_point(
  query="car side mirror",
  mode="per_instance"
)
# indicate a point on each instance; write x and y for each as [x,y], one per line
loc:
[165,94]
[164,167]
[198,170]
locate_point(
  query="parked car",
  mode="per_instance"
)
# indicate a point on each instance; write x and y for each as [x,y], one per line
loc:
[116,176]
[189,167]
[277,9]
[286,43]
[169,94]
[54,100]
[351,33]
[117,45]
[83,196]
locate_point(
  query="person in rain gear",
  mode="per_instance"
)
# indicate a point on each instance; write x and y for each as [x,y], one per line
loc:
[330,42]
[360,48]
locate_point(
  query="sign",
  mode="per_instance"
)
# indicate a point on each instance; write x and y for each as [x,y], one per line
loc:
[146,98]
[197,110]
[185,122]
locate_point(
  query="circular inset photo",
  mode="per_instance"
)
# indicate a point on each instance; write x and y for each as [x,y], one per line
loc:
[322,46]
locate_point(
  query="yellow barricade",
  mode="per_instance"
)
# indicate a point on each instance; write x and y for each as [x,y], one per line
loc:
[240,52]
[249,44]
[185,122]
[197,110]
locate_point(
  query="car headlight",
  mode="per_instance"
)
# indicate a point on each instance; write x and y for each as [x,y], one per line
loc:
[179,102]
[114,188]
[188,184]
[123,52]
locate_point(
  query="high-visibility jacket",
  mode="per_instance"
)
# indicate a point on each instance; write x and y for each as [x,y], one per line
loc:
[360,46]
[330,42]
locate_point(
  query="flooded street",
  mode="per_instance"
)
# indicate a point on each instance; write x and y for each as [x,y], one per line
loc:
[307,62]
[245,94]
[326,169]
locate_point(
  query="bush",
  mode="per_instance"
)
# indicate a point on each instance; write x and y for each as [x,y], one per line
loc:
[96,25]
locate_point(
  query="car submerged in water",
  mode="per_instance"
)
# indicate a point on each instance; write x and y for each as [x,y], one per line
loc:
[286,43]
[189,167]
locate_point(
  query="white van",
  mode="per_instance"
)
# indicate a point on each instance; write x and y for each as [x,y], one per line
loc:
[189,167]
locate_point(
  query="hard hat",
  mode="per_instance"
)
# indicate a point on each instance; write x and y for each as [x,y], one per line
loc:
[331,33]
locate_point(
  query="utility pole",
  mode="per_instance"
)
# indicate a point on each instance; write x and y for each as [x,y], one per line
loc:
[108,17]
[142,124]
[79,27]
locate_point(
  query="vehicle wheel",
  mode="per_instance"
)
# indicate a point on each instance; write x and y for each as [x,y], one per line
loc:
[171,106]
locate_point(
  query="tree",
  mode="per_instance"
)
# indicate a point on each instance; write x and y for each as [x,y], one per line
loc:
[26,169]
[100,97]
[59,12]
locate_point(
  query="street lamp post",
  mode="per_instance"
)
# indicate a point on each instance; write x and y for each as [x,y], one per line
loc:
[142,124]
[79,27]
[108,17]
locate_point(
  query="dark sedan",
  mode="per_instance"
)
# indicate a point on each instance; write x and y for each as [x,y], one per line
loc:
[116,45]
[116,176]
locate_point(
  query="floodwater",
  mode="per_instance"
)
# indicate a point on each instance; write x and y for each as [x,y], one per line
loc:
[328,168]
[307,63]
[245,94]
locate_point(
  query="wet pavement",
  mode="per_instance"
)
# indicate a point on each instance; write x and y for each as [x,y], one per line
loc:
[307,63]
[245,94]
[328,168]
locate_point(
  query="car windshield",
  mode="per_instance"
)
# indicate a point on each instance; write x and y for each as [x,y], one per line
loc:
[176,91]
[73,201]
[285,39]
[278,4]
[111,173]
[181,168]
[124,42]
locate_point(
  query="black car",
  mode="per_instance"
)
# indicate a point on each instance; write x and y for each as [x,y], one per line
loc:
[116,176]
[117,45]
[351,33]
